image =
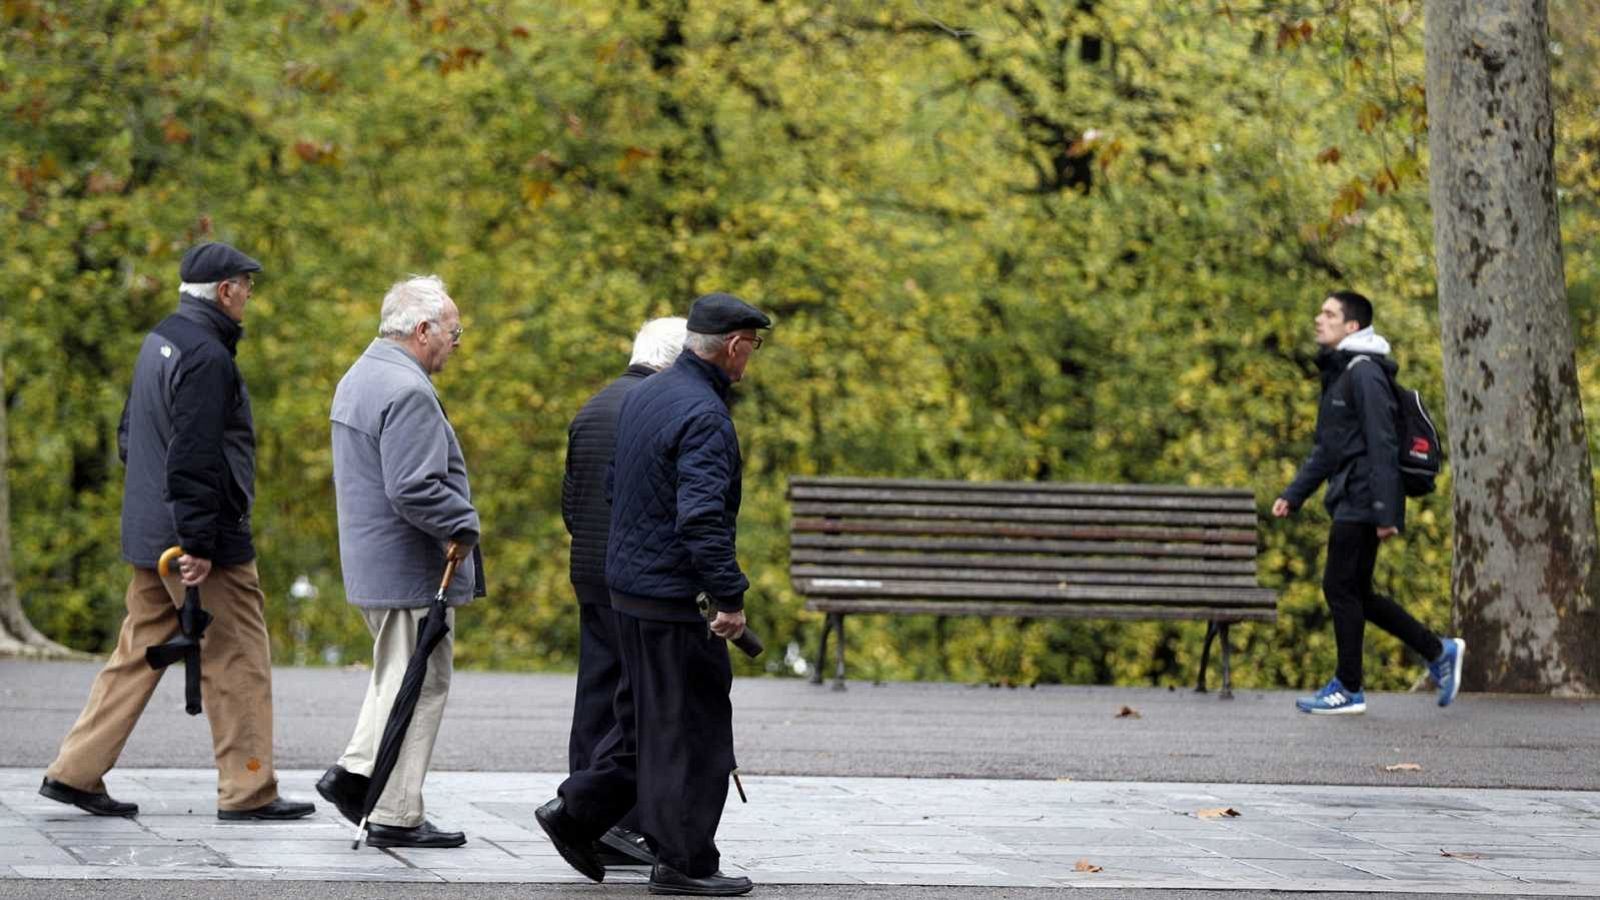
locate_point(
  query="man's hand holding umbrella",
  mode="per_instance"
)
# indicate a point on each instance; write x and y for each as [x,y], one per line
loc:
[193,570]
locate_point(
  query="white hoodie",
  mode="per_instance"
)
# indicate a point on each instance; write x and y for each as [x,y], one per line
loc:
[1365,341]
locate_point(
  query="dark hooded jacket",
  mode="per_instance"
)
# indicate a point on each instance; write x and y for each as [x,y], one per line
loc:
[188,440]
[675,496]
[1355,448]
[591,443]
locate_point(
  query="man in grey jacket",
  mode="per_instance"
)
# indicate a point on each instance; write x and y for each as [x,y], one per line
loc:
[405,507]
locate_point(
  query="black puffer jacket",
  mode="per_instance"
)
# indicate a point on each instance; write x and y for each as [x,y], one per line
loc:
[1356,444]
[591,442]
[189,442]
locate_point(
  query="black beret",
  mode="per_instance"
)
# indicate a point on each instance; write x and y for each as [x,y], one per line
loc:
[723,313]
[214,261]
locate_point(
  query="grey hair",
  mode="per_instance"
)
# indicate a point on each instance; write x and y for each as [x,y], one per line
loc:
[409,303]
[659,342]
[207,291]
[705,344]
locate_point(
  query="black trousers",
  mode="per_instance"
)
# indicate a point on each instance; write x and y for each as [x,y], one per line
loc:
[1347,586]
[671,752]
[599,671]
[599,674]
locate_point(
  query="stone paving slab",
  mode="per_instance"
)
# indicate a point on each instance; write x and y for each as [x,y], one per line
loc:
[877,831]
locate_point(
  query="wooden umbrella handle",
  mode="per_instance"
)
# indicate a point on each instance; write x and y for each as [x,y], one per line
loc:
[449,573]
[167,556]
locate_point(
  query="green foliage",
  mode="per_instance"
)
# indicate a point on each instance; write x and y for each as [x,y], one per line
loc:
[1002,240]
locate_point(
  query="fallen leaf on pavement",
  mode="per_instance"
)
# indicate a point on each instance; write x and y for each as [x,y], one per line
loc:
[1084,865]
[1443,852]
[1403,767]
[1128,712]
[1218,812]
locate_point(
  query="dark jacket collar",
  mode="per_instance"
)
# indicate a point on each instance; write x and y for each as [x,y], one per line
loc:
[1333,363]
[718,379]
[209,316]
[640,370]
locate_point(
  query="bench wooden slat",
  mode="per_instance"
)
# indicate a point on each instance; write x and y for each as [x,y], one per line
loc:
[1058,487]
[980,545]
[1154,595]
[1020,576]
[1041,530]
[1241,567]
[1243,503]
[997,514]
[1041,610]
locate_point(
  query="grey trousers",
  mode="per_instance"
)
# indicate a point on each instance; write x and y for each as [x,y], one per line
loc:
[394,637]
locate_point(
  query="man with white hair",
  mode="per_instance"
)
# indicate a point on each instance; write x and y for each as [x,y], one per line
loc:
[188,440]
[676,488]
[405,508]
[591,444]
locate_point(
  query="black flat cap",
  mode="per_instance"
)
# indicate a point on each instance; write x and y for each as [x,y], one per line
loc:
[214,261]
[722,313]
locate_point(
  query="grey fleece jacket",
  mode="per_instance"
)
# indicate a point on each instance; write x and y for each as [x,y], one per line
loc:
[400,483]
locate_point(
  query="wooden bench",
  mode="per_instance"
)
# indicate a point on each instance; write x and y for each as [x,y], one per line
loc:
[1025,549]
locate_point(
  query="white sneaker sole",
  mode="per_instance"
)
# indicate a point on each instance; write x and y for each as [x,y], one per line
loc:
[1348,709]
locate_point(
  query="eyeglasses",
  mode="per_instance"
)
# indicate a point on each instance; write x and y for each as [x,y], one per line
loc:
[756,341]
[247,282]
[455,333]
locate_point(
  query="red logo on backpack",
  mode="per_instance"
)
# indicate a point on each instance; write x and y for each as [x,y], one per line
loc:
[1420,446]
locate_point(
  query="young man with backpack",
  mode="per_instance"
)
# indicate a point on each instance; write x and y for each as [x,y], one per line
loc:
[1362,429]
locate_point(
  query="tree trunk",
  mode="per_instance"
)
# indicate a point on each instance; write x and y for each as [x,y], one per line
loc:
[1524,579]
[18,637]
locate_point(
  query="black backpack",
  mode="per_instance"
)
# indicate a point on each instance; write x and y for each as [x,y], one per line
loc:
[1420,452]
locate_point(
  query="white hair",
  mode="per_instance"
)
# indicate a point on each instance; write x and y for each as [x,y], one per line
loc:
[705,344]
[207,291]
[659,342]
[409,303]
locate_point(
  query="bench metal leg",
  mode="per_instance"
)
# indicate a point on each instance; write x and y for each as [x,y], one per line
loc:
[1227,663]
[838,673]
[1205,657]
[822,650]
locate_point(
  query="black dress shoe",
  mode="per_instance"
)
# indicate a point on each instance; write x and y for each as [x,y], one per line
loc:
[99,803]
[563,833]
[276,810]
[624,847]
[346,790]
[666,880]
[424,835]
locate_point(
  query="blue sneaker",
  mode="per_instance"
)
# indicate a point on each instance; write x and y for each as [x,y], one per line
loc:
[1333,700]
[1446,670]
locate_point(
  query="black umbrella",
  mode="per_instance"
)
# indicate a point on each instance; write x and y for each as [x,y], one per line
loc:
[429,635]
[192,622]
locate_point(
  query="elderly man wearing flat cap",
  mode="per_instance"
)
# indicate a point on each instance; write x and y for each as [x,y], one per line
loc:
[188,441]
[675,501]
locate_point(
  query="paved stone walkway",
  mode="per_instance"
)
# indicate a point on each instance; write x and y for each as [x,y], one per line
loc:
[809,830]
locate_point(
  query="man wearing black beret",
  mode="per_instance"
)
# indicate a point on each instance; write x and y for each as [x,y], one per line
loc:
[675,501]
[188,440]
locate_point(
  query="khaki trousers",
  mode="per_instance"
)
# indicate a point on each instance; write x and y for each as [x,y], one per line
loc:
[394,637]
[235,686]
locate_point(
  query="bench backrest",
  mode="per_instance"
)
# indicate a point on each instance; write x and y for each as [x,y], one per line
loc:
[1025,548]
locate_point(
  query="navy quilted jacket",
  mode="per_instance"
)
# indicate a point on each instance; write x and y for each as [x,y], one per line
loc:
[675,495]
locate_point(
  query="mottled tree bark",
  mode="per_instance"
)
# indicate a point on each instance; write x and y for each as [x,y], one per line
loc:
[18,637]
[1524,580]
